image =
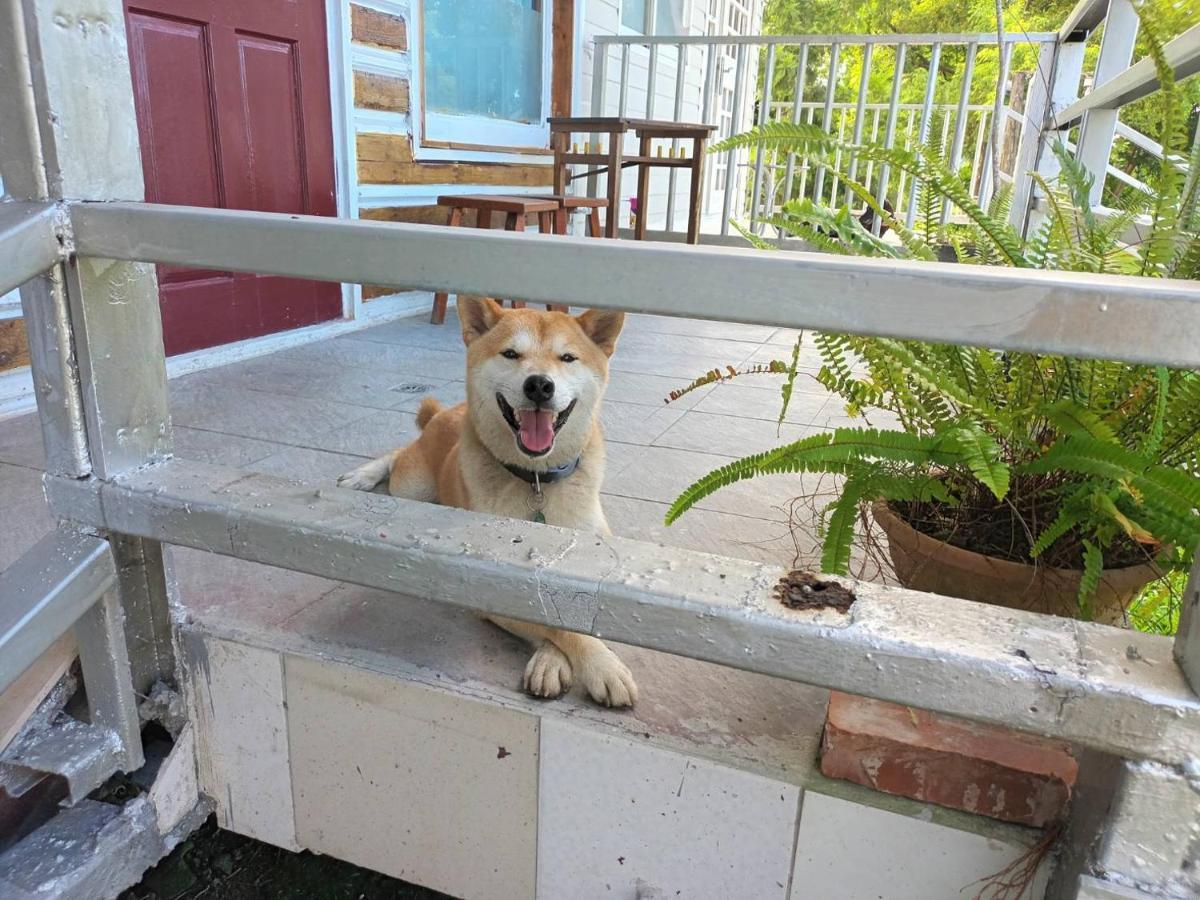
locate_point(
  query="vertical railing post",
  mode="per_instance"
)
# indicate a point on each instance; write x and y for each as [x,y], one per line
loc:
[707,114]
[797,109]
[599,94]
[992,151]
[764,116]
[860,106]
[935,60]
[89,151]
[1037,104]
[835,50]
[731,178]
[1187,639]
[890,136]
[960,118]
[1099,126]
[1064,90]
[677,116]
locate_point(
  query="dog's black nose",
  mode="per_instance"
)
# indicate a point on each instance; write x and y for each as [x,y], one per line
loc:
[539,389]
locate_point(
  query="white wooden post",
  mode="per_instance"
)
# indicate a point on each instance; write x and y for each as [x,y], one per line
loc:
[1064,90]
[1099,125]
[1037,104]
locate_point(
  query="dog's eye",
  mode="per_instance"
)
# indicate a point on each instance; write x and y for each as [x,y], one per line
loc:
[568,357]
[511,354]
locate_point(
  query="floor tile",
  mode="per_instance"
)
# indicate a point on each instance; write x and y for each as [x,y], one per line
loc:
[662,473]
[305,464]
[372,435]
[806,406]
[729,435]
[21,442]
[677,356]
[218,449]
[756,334]
[653,390]
[358,352]
[613,813]
[631,423]
[711,532]
[254,414]
[24,516]
[443,793]
[848,851]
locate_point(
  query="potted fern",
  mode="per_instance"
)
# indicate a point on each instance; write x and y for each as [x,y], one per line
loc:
[1046,482]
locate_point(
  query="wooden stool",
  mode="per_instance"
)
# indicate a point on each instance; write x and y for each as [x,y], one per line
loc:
[516,210]
[568,204]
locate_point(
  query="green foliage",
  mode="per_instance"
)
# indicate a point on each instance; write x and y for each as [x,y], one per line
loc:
[1096,461]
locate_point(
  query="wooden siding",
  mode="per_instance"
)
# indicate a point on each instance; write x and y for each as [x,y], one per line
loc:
[379,29]
[385,92]
[14,348]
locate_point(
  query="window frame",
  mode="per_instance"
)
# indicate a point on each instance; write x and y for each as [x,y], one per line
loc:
[445,136]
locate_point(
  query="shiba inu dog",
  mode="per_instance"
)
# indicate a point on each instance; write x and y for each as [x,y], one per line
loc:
[525,444]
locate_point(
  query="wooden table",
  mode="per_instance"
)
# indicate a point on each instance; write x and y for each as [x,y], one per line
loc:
[614,161]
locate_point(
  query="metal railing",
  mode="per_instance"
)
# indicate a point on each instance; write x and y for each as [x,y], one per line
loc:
[98,360]
[741,86]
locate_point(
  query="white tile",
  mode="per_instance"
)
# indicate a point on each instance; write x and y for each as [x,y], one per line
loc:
[613,812]
[764,400]
[237,703]
[633,423]
[373,435]
[414,782]
[848,851]
[729,435]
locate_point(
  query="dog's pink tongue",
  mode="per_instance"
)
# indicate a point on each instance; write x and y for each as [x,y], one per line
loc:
[537,429]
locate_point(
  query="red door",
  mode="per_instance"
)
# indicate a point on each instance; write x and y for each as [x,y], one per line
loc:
[233,111]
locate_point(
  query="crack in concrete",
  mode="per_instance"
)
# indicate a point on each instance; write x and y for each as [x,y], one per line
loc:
[543,563]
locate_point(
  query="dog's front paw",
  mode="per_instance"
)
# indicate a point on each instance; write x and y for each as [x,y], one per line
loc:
[548,673]
[607,680]
[358,480]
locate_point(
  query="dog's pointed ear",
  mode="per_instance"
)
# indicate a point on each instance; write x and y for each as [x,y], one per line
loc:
[477,315]
[603,327]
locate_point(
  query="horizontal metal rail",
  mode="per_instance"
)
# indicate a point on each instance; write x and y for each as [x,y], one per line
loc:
[47,591]
[798,40]
[1083,19]
[1139,80]
[1139,320]
[1036,673]
[28,245]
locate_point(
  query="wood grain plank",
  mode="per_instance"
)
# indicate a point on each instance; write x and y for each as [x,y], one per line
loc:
[379,29]
[14,348]
[384,92]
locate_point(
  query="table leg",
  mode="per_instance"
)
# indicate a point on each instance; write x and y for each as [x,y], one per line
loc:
[441,299]
[615,139]
[559,143]
[594,229]
[515,222]
[643,190]
[693,233]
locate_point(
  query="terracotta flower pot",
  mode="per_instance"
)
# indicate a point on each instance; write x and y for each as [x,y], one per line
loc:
[924,563]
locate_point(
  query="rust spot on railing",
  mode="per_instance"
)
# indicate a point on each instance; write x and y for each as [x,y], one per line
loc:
[804,590]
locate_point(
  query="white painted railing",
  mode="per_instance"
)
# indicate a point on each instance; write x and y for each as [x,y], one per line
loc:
[740,88]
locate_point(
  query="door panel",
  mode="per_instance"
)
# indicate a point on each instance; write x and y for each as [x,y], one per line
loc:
[233,112]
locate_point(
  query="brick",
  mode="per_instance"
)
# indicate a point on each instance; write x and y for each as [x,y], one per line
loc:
[980,769]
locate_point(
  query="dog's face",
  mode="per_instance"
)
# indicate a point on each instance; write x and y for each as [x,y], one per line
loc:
[535,379]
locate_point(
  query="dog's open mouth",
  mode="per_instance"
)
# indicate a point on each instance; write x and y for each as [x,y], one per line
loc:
[535,428]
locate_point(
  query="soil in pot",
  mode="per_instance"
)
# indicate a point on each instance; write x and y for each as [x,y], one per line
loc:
[929,563]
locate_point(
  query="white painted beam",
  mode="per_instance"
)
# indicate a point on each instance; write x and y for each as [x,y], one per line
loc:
[1042,674]
[1133,319]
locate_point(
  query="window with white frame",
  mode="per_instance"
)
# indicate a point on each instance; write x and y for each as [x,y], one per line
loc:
[485,72]
[653,16]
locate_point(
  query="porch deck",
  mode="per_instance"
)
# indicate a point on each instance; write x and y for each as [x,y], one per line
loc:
[249,632]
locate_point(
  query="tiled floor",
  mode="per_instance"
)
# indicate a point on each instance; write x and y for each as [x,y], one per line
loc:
[317,410]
